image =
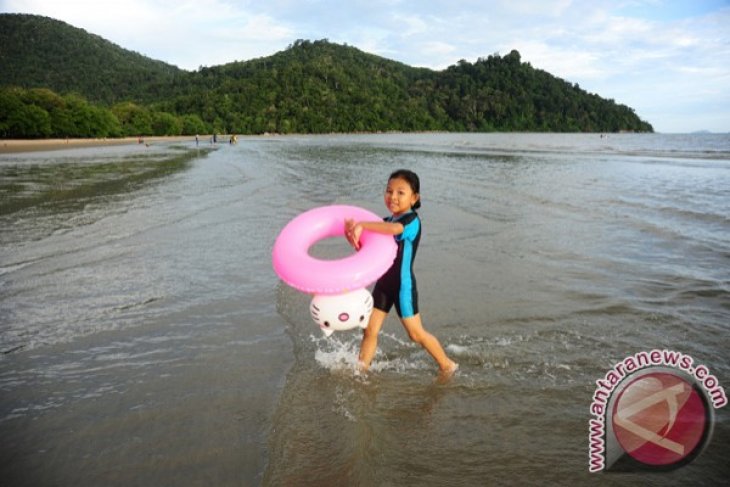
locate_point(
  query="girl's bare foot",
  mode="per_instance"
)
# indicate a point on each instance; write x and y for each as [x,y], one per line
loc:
[446,373]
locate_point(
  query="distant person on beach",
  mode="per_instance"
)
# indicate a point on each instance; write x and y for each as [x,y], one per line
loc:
[197,141]
[398,285]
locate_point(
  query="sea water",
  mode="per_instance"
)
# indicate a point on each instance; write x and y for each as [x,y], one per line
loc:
[147,341]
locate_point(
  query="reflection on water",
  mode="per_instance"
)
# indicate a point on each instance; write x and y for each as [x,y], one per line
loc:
[70,183]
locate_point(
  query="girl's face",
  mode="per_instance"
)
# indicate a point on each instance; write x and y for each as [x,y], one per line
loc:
[399,196]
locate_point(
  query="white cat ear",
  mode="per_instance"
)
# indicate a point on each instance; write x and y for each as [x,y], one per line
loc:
[327,331]
[364,324]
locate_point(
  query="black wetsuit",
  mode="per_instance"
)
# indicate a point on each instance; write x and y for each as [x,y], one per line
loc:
[398,285]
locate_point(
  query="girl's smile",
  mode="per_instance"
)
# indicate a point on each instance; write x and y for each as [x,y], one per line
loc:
[399,196]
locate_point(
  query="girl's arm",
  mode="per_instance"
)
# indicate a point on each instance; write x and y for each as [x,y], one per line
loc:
[354,229]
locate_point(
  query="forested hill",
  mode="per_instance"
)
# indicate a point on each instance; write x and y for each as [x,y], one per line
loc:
[311,87]
[39,52]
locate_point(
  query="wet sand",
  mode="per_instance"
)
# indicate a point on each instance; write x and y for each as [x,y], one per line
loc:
[29,145]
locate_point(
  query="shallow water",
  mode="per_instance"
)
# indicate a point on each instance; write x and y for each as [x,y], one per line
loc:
[147,341]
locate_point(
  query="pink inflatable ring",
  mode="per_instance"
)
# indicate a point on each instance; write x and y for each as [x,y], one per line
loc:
[297,268]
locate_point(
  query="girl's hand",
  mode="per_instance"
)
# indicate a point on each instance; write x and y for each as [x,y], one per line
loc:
[352,233]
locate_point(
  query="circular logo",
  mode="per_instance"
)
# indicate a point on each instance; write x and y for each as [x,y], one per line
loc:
[661,420]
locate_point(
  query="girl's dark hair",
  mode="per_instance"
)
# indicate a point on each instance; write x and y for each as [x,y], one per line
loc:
[412,179]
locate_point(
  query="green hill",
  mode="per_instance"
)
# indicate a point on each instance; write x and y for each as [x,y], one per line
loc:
[39,52]
[311,87]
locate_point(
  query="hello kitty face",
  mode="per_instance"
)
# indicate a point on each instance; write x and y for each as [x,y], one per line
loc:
[338,312]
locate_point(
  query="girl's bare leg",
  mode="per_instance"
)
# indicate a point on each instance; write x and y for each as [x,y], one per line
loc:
[418,334]
[370,338]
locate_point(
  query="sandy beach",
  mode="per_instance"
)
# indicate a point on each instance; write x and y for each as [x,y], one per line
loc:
[28,145]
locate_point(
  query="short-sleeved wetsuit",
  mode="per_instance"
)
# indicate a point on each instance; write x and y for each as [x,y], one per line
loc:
[398,285]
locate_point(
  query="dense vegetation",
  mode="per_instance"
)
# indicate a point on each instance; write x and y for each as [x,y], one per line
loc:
[311,87]
[40,112]
[39,52]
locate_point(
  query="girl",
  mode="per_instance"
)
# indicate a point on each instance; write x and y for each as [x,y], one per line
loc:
[398,285]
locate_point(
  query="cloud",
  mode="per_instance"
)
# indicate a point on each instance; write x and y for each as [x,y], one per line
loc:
[554,8]
[571,63]
[185,33]
[411,24]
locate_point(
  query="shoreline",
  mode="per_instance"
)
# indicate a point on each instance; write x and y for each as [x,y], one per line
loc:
[11,146]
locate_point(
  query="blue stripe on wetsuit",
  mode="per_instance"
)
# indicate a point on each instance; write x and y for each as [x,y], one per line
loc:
[405,293]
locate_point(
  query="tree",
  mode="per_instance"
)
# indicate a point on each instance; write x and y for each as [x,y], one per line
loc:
[166,124]
[193,125]
[134,120]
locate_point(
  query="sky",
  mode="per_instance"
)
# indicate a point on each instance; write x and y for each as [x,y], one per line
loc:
[667,59]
